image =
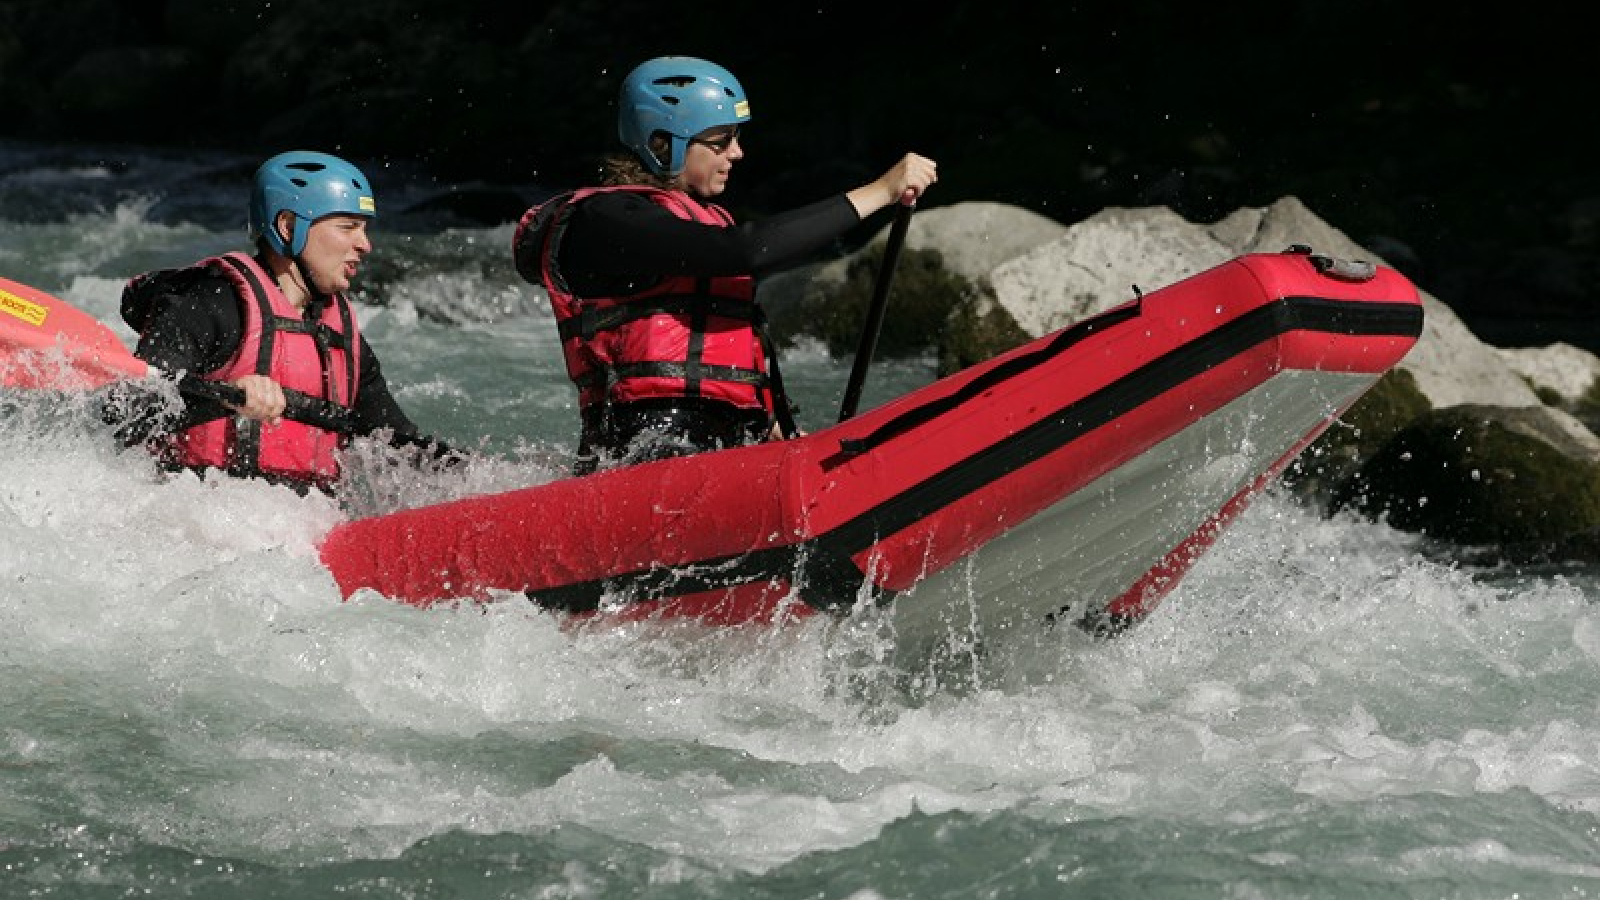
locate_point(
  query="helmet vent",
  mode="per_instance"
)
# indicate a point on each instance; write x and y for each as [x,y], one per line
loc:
[679,96]
[310,186]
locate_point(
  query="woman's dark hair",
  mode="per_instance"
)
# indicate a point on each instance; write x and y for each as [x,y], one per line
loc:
[625,168]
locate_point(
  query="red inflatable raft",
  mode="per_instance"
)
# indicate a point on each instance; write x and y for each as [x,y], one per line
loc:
[1080,474]
[46,343]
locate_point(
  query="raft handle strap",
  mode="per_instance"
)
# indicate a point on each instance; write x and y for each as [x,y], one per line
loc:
[976,387]
[1351,270]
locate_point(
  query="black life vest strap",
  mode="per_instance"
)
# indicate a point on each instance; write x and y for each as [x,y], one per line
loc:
[782,410]
[351,353]
[698,320]
[244,459]
[311,319]
[327,340]
[318,331]
[678,371]
[268,319]
[592,320]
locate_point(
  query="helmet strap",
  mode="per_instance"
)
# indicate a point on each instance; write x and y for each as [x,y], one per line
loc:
[318,300]
[277,228]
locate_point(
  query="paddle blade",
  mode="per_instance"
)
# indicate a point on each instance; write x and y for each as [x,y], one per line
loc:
[46,342]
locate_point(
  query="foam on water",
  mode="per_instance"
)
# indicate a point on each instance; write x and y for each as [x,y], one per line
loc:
[1321,708]
[1304,658]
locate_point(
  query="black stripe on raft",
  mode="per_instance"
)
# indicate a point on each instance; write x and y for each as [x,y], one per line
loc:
[822,567]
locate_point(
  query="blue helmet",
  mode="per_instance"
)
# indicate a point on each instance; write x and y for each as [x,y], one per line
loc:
[310,185]
[680,96]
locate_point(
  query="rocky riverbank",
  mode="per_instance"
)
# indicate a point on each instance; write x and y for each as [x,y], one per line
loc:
[1410,131]
[1475,446]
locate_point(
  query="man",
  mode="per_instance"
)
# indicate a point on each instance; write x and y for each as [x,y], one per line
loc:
[261,344]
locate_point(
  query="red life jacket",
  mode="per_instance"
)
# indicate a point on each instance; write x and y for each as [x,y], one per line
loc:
[682,337]
[318,358]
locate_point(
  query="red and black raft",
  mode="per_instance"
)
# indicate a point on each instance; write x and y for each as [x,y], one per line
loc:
[1081,473]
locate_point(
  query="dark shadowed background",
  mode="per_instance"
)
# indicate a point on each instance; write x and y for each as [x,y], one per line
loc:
[1449,137]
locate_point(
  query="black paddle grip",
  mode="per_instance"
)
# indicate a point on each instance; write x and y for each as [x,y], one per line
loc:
[298,406]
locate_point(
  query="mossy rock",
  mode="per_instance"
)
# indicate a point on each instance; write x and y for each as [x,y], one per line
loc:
[978,329]
[1587,407]
[1460,475]
[1549,396]
[922,296]
[1320,472]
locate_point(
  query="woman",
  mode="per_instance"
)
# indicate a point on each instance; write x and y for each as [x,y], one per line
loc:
[262,325]
[653,284]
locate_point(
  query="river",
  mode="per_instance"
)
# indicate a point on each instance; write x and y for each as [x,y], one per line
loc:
[1323,708]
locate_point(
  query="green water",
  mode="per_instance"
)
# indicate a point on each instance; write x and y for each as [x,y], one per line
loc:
[188,710]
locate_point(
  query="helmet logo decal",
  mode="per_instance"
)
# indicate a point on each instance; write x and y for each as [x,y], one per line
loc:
[367,205]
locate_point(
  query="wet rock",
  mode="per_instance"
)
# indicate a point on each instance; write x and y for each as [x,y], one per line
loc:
[938,304]
[1465,442]
[1562,375]
[971,239]
[1325,469]
[1478,475]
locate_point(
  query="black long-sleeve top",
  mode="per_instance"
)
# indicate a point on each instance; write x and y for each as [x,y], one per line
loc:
[619,242]
[197,327]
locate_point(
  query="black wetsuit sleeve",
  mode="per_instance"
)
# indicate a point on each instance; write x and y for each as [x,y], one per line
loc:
[193,331]
[193,328]
[620,242]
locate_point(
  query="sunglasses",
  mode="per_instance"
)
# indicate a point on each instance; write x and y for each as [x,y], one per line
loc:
[719,144]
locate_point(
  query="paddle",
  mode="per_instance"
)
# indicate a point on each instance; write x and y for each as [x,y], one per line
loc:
[880,302]
[47,343]
[297,406]
[35,327]
[315,411]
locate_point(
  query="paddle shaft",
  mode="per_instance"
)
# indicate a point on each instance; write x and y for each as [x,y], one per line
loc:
[297,406]
[319,413]
[32,321]
[875,311]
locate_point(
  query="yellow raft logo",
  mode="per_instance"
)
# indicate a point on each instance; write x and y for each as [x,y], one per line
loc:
[367,205]
[26,310]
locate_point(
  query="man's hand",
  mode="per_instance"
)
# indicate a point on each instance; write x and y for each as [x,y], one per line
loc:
[263,399]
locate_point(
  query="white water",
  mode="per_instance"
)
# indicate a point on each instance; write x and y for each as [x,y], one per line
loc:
[1319,710]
